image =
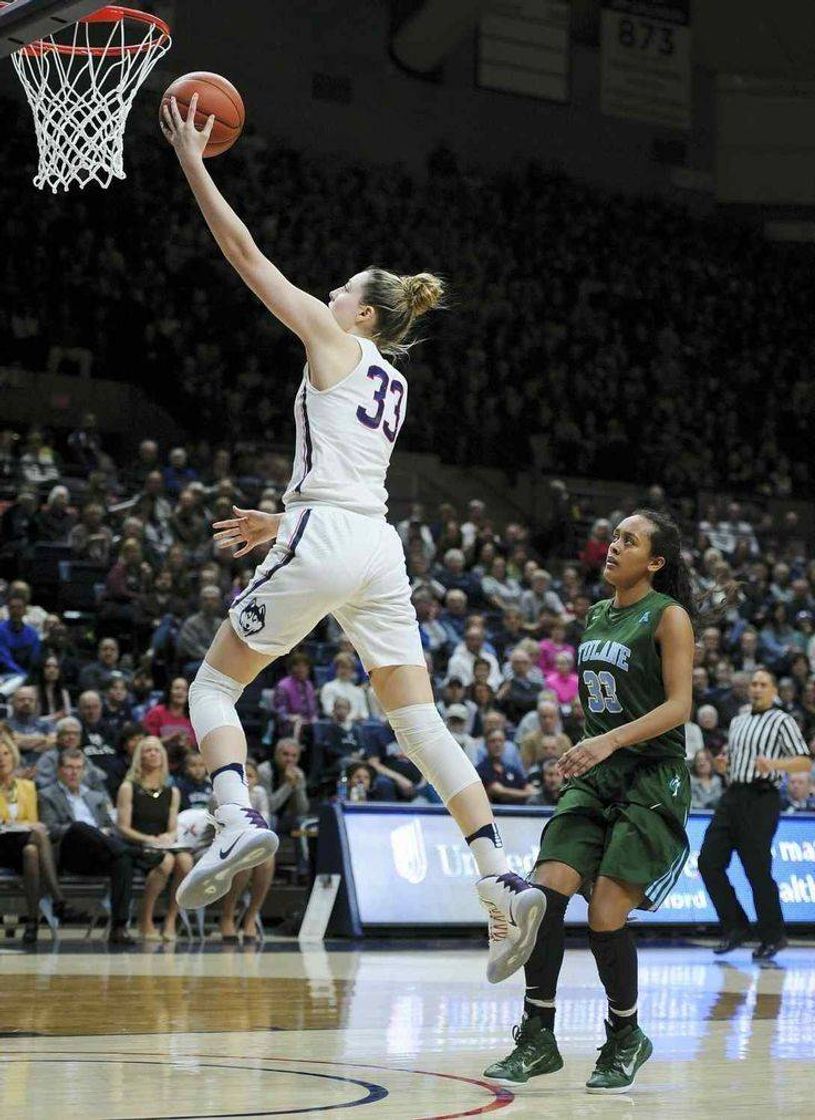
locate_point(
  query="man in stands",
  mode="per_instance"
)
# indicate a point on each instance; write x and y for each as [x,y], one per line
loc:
[465,655]
[19,645]
[505,784]
[198,630]
[31,734]
[98,742]
[97,675]
[68,737]
[79,821]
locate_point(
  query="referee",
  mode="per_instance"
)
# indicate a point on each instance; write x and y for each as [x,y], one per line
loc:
[764,744]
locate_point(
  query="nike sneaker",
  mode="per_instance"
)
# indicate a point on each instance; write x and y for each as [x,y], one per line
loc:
[535,1053]
[242,840]
[621,1055]
[516,909]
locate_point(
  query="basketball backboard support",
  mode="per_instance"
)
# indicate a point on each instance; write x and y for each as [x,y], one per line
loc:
[23,21]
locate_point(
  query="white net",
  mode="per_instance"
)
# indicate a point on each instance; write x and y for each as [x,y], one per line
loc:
[80,83]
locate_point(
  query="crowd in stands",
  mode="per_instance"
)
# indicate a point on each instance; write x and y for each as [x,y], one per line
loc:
[637,339]
[112,589]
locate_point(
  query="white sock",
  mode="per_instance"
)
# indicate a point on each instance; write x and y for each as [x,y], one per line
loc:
[488,851]
[229,786]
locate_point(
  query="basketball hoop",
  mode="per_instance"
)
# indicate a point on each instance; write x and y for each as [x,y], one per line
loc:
[80,82]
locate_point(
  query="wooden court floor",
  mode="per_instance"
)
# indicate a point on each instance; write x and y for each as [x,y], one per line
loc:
[381,1033]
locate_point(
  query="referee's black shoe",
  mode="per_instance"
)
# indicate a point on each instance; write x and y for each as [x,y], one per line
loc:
[767,949]
[732,941]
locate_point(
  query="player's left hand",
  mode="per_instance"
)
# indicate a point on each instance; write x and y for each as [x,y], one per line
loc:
[187,140]
[585,755]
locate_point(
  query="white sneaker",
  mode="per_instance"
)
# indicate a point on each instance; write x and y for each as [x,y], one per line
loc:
[242,840]
[516,909]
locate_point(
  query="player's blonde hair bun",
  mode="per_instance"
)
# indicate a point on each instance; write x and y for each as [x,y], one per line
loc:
[398,302]
[423,292]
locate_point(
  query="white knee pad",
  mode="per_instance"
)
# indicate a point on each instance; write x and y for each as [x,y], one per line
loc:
[213,696]
[424,737]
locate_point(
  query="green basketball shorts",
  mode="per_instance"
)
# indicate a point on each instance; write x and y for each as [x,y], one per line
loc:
[626,819]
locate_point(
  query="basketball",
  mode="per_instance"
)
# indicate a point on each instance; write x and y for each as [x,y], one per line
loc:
[215,96]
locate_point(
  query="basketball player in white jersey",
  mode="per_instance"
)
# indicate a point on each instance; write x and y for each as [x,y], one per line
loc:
[334,552]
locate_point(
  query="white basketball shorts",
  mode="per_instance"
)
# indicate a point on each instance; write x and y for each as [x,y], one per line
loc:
[328,560]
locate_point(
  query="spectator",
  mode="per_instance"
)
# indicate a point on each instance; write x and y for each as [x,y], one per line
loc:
[32,735]
[713,737]
[127,582]
[53,701]
[19,646]
[778,640]
[397,777]
[295,701]
[195,785]
[68,736]
[576,626]
[563,680]
[19,532]
[798,795]
[706,786]
[81,829]
[548,782]
[502,783]
[117,709]
[146,816]
[498,589]
[178,474]
[361,778]
[593,556]
[461,664]
[34,615]
[189,525]
[339,742]
[199,629]
[553,645]
[453,577]
[540,732]
[288,799]
[55,521]
[747,656]
[170,720]
[518,694]
[91,540]
[343,685]
[454,616]
[434,635]
[539,597]
[452,692]
[99,741]
[97,674]
[27,852]
[510,634]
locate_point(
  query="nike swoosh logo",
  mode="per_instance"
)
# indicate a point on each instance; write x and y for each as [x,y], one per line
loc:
[223,854]
[628,1070]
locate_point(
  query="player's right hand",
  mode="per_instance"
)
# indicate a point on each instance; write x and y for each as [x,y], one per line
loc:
[249,528]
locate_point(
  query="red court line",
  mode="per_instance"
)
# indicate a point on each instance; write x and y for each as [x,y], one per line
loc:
[501,1097]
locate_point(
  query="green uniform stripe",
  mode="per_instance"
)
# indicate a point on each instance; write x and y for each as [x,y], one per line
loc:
[659,890]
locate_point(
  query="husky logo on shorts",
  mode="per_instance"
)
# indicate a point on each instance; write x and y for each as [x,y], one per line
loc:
[252,617]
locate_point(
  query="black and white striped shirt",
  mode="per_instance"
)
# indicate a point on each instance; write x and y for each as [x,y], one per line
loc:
[773,734]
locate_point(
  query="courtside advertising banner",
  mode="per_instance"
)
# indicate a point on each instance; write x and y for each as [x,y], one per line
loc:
[646,61]
[411,867]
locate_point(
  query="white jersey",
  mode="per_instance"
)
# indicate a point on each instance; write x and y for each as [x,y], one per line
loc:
[346,435]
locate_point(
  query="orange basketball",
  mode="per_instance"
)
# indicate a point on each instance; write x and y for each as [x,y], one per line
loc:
[215,96]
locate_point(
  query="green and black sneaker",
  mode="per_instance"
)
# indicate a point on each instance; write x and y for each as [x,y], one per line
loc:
[621,1056]
[535,1053]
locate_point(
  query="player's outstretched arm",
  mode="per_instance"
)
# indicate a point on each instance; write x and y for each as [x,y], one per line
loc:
[306,316]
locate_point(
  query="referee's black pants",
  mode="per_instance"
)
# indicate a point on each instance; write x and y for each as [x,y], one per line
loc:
[85,850]
[744,822]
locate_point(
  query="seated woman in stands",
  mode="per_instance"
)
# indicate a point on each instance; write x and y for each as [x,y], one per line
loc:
[26,850]
[147,813]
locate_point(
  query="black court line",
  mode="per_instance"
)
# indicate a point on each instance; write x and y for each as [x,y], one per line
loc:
[373,1092]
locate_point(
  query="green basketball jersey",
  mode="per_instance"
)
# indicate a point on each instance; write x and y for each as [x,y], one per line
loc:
[620,672]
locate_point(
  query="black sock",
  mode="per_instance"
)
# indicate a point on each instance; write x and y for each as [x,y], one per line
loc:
[615,952]
[543,967]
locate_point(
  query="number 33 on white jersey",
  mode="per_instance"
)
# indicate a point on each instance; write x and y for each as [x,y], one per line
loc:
[346,435]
